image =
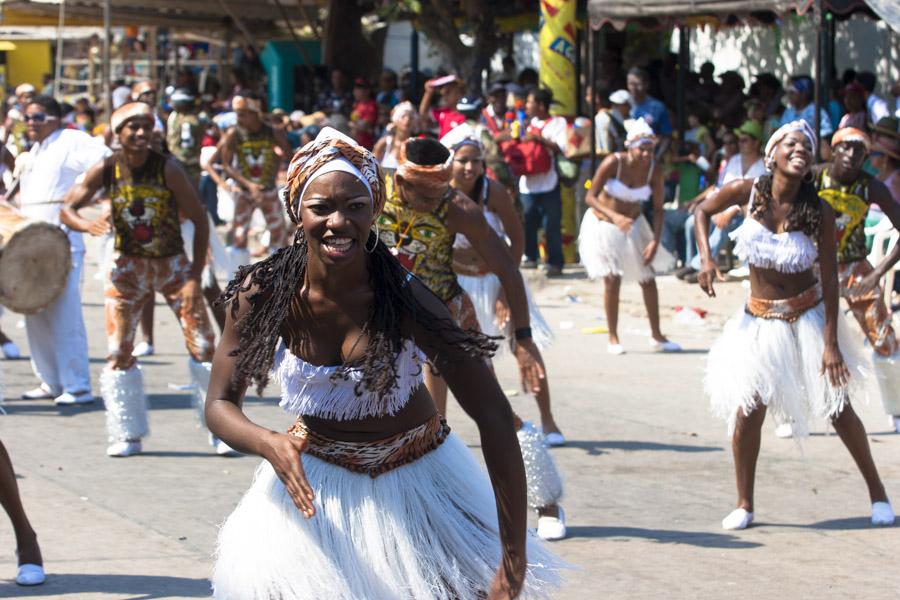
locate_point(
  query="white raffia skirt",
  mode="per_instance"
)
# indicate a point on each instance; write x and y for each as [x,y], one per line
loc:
[605,250]
[484,290]
[779,363]
[423,531]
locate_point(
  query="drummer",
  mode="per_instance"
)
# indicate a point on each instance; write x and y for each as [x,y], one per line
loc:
[56,335]
[147,192]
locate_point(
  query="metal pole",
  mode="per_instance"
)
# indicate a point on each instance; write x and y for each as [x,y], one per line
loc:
[817,88]
[107,91]
[592,82]
[414,66]
[683,41]
[57,72]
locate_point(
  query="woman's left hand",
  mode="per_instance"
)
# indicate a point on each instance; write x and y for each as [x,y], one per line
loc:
[864,285]
[834,367]
[531,365]
[650,252]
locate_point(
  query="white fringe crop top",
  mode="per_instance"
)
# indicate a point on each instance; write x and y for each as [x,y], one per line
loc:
[622,192]
[787,252]
[319,391]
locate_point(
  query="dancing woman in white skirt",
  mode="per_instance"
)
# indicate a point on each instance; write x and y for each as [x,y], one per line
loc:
[615,242]
[368,496]
[788,349]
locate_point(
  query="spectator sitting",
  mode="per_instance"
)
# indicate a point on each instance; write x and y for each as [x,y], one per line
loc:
[690,165]
[336,98]
[364,115]
[855,103]
[649,108]
[877,107]
[800,96]
[699,132]
[387,89]
[747,164]
[729,101]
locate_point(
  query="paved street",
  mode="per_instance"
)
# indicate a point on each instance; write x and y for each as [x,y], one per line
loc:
[648,474]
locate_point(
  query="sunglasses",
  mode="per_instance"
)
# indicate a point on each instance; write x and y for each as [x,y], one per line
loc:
[37,118]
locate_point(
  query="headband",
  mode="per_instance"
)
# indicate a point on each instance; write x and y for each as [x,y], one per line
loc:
[244,103]
[127,112]
[401,109]
[851,134]
[432,177]
[467,142]
[782,132]
[638,133]
[323,153]
[342,165]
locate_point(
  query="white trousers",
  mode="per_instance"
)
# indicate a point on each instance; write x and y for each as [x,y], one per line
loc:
[57,338]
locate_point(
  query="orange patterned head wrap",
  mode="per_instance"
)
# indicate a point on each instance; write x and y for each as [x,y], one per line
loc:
[328,146]
[851,134]
[431,177]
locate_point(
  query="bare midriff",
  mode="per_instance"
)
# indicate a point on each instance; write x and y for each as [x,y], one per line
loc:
[770,284]
[419,409]
[466,261]
[632,210]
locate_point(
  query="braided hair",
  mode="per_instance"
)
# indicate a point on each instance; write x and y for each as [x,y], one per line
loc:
[805,214]
[275,282]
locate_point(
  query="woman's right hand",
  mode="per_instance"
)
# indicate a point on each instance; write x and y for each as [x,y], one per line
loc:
[709,272]
[283,453]
[622,222]
[99,226]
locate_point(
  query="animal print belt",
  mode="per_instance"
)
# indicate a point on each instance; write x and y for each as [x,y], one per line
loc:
[379,456]
[787,309]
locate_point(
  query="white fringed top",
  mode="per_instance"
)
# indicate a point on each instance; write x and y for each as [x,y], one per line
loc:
[319,391]
[787,252]
[623,193]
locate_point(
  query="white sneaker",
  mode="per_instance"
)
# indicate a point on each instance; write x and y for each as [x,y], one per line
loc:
[554,439]
[41,392]
[739,518]
[142,349]
[551,529]
[223,449]
[10,351]
[615,349]
[123,449]
[67,399]
[666,346]
[30,574]
[784,431]
[882,514]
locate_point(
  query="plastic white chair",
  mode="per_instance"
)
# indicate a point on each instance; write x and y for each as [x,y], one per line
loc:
[884,238]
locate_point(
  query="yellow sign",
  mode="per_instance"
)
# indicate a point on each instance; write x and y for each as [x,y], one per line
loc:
[557,64]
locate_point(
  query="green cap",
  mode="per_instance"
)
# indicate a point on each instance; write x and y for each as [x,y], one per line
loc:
[751,128]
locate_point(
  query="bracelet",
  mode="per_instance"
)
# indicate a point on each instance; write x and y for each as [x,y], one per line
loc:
[523,333]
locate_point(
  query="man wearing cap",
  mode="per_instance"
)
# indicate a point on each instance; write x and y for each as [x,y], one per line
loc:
[251,144]
[148,192]
[184,134]
[15,123]
[56,335]
[851,191]
[494,114]
[802,107]
[748,163]
[610,123]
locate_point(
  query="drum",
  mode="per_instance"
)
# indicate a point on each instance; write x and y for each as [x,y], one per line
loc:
[35,259]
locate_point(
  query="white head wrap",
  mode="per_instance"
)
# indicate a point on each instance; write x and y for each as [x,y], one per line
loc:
[638,132]
[783,131]
[339,164]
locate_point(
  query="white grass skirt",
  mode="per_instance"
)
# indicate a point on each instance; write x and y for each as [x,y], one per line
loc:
[426,530]
[606,250]
[484,290]
[779,364]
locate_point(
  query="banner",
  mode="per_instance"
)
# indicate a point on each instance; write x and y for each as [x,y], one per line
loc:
[557,74]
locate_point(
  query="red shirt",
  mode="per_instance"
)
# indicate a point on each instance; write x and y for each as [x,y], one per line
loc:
[447,119]
[365,115]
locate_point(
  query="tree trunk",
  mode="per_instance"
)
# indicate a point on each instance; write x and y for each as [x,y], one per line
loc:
[346,46]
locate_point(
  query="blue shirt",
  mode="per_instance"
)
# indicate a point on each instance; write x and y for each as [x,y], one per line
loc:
[808,114]
[654,112]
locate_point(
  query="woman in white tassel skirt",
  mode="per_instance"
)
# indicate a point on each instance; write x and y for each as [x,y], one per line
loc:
[615,242]
[788,349]
[368,495]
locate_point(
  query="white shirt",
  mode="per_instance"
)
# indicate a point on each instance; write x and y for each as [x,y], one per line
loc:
[734,170]
[554,129]
[51,169]
[877,108]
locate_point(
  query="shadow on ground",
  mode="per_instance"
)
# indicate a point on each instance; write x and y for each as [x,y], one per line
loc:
[597,447]
[845,524]
[701,539]
[134,587]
